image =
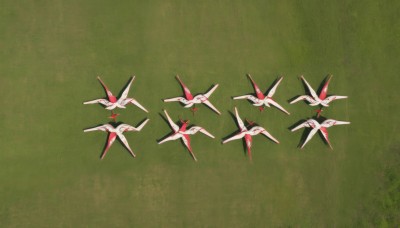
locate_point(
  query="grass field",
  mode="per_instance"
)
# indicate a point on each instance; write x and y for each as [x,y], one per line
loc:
[52,51]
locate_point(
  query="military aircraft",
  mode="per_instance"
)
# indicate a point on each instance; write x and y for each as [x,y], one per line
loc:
[182,133]
[113,132]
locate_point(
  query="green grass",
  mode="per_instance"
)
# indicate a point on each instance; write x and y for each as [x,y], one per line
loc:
[52,51]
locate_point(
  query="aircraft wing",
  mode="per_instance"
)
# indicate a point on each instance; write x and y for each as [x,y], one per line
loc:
[193,130]
[171,123]
[312,92]
[126,91]
[235,137]
[186,90]
[186,141]
[104,102]
[206,133]
[110,96]
[308,123]
[126,144]
[110,140]
[208,103]
[142,125]
[208,94]
[311,100]
[259,94]
[333,97]
[274,103]
[324,90]
[135,102]
[331,122]
[105,127]
[240,122]
[126,127]
[324,132]
[310,135]
[273,89]
[266,133]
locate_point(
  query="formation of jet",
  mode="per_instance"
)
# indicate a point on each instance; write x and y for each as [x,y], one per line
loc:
[260,100]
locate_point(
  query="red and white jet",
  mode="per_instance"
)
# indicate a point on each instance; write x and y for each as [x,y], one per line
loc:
[315,100]
[112,102]
[189,100]
[182,133]
[246,134]
[321,127]
[261,99]
[114,132]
